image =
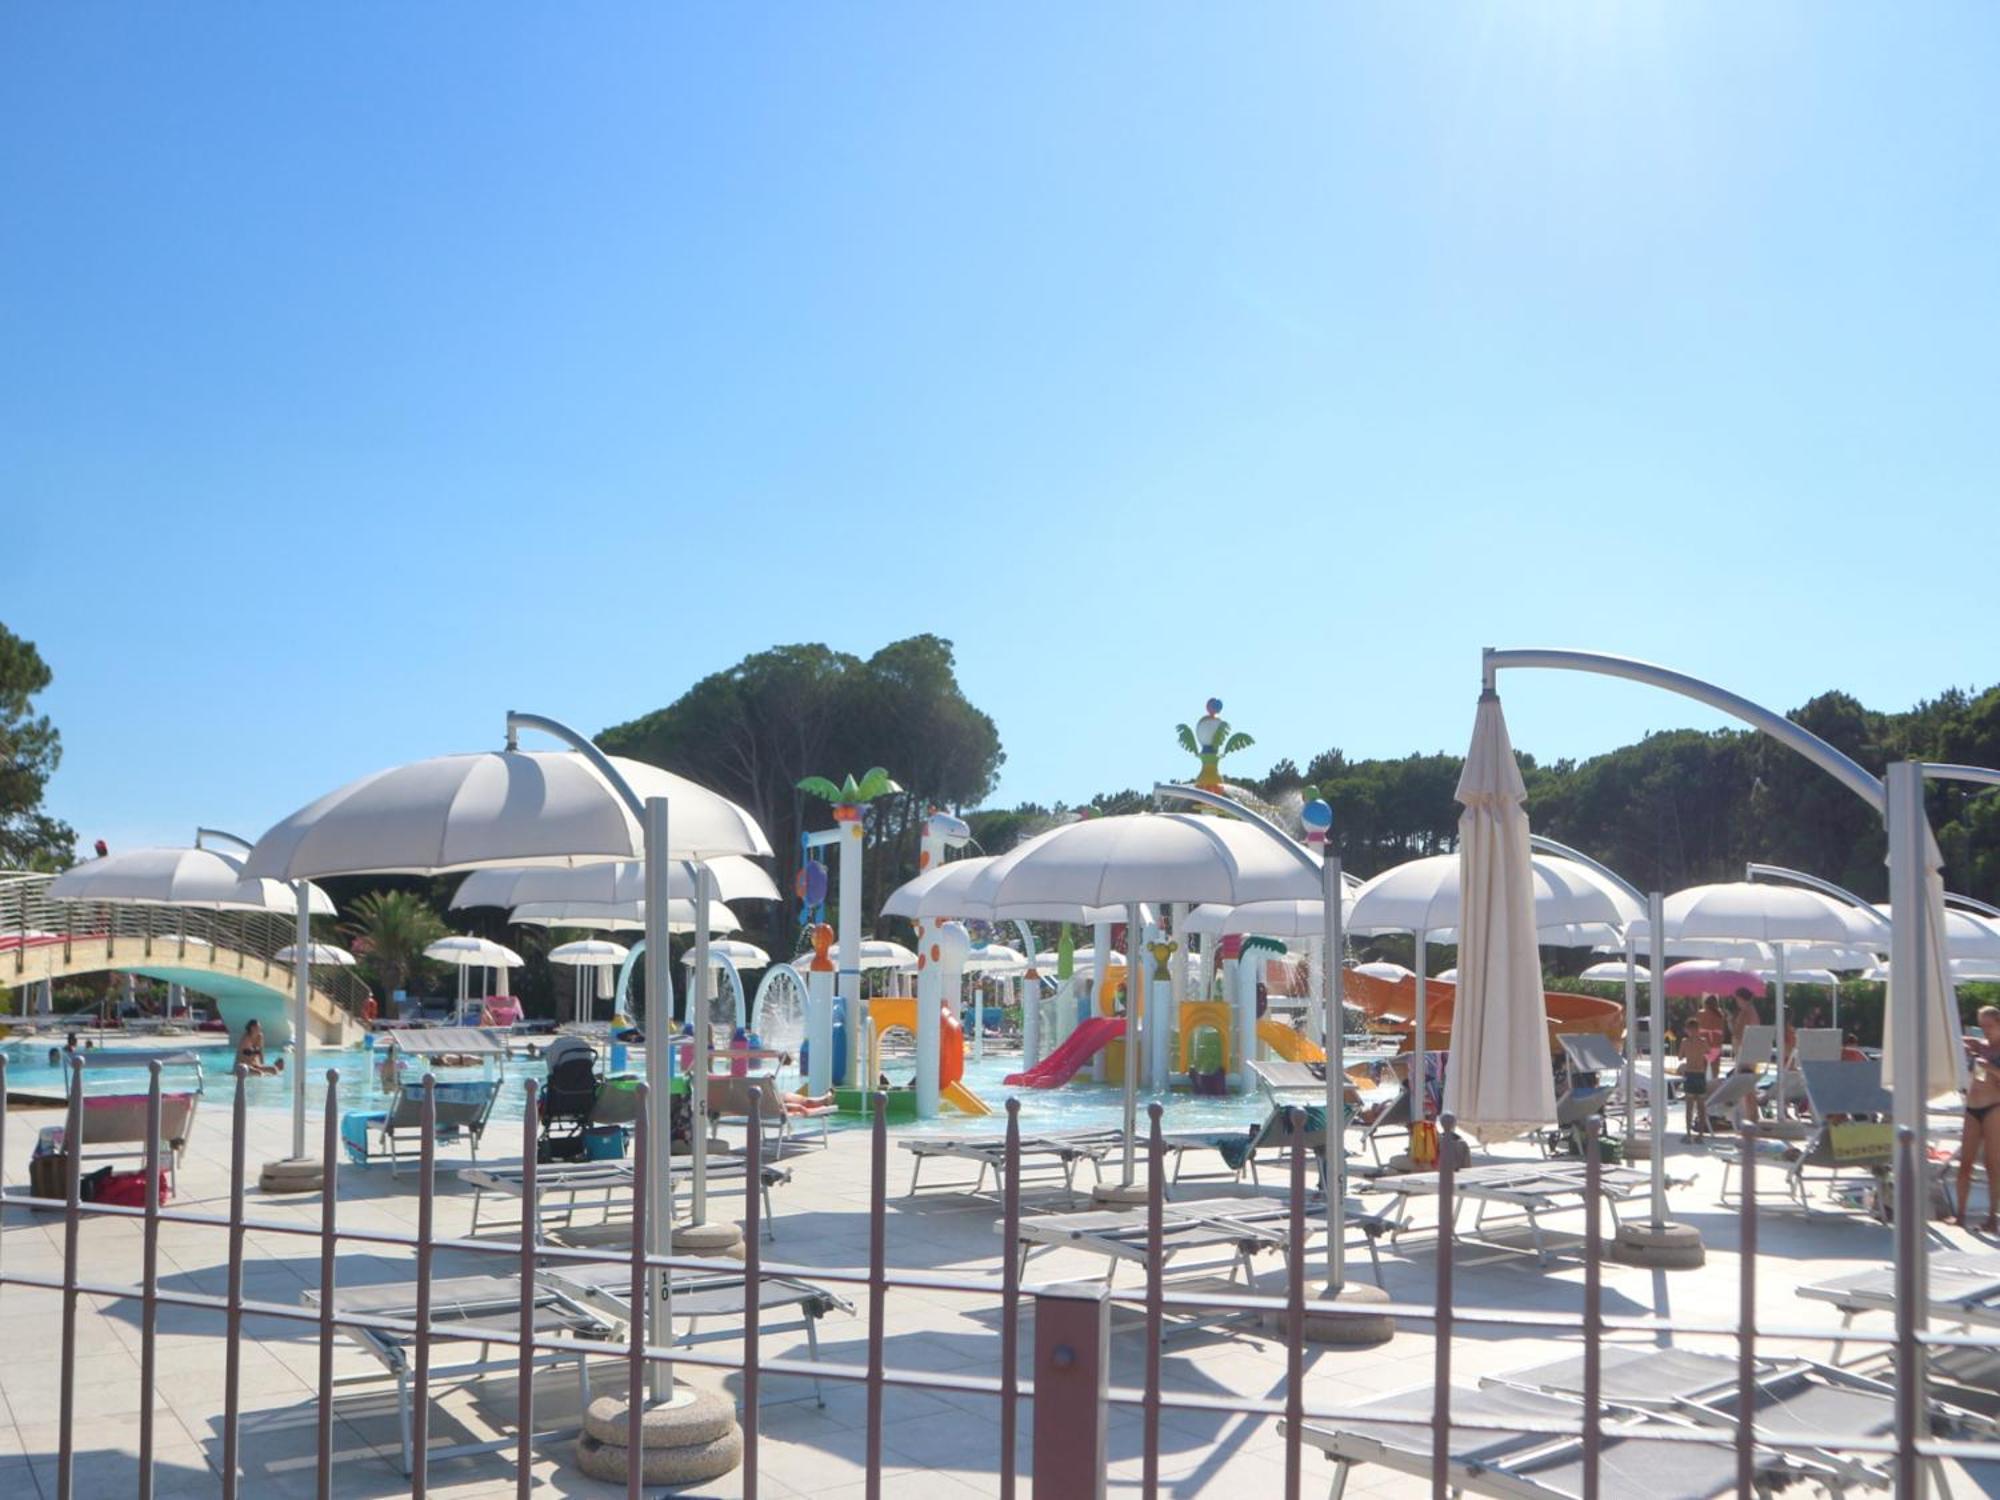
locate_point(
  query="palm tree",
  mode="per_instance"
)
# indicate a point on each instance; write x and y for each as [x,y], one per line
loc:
[389,931]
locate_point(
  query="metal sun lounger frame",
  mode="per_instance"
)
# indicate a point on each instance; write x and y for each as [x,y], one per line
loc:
[1702,1388]
[1964,1293]
[607,1286]
[603,1180]
[1061,1151]
[1500,1459]
[1243,1224]
[497,1307]
[1531,1188]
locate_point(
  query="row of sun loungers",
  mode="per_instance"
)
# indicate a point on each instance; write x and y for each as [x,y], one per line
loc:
[601,1184]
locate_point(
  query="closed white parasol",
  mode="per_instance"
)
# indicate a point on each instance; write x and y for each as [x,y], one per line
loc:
[1499,1084]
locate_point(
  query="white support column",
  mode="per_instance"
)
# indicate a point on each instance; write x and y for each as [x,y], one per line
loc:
[1419,1094]
[1243,982]
[1100,965]
[700,991]
[850,947]
[301,1012]
[1631,1025]
[1779,1005]
[1135,991]
[659,1099]
[819,1028]
[1176,991]
[931,993]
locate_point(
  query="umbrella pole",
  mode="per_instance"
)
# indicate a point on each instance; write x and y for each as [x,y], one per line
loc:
[1656,929]
[1420,1096]
[1780,1016]
[698,1010]
[301,1014]
[1134,988]
[1333,1022]
[1631,1021]
[659,1097]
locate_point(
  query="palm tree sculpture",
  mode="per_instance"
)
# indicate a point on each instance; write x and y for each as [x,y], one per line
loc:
[1209,738]
[389,931]
[849,796]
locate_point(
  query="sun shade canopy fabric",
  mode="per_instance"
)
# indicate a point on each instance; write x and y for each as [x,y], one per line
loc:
[1759,912]
[206,878]
[1423,895]
[731,878]
[445,1041]
[619,916]
[1499,1084]
[499,807]
[944,893]
[1134,857]
[473,952]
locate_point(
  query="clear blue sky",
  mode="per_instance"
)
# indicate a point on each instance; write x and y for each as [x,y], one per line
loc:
[370,369]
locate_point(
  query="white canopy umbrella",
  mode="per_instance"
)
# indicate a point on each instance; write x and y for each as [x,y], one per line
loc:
[1422,897]
[1775,915]
[1139,857]
[996,958]
[319,954]
[743,955]
[1446,976]
[619,916]
[1610,973]
[206,878]
[468,953]
[943,893]
[1297,917]
[876,953]
[589,953]
[732,877]
[1967,934]
[1381,968]
[1499,1084]
[496,807]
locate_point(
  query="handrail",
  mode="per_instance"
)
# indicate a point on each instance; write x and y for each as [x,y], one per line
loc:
[30,919]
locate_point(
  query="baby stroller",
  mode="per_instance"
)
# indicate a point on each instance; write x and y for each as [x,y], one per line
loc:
[569,1097]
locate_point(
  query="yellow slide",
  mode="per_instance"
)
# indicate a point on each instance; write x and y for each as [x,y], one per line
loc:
[960,1097]
[1287,1043]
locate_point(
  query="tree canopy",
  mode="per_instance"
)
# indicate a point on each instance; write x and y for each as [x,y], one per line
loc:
[755,731]
[30,751]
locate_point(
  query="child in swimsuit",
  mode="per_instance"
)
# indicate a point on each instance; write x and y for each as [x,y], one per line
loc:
[1694,1081]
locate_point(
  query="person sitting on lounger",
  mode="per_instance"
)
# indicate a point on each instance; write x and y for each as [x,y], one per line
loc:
[250,1051]
[799,1102]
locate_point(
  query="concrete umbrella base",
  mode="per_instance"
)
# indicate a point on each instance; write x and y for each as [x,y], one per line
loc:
[713,1239]
[1350,1330]
[689,1439]
[292,1174]
[1669,1247]
[1119,1195]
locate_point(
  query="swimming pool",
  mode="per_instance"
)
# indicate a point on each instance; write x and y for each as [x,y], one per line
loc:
[1077,1105]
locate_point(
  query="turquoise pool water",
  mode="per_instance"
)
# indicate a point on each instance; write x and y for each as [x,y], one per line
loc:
[1076,1105]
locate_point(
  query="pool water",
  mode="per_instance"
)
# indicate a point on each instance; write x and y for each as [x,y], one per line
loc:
[1077,1105]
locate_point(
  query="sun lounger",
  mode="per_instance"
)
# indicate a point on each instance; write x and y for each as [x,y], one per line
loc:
[1964,1294]
[1592,1066]
[1060,1152]
[462,1110]
[602,1182]
[729,1099]
[1243,1225]
[1850,1130]
[607,1286]
[462,1308]
[1529,1189]
[1498,1458]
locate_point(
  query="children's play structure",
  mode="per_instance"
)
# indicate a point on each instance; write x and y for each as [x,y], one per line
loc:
[846,1036]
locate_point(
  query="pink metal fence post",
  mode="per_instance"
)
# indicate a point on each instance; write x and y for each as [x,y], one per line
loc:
[1072,1358]
[329,1245]
[1010,1299]
[878,1289]
[753,1289]
[1295,1307]
[1593,1310]
[72,1217]
[645,1288]
[524,1369]
[420,1415]
[1910,1353]
[1156,1158]
[232,1365]
[149,1282]
[1746,1319]
[1447,1138]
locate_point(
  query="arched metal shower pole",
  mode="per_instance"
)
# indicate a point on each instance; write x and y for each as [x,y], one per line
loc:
[1789,876]
[1848,772]
[651,816]
[1984,775]
[218,833]
[1547,845]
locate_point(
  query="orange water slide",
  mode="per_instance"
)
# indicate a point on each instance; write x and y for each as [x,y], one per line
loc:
[1392,1004]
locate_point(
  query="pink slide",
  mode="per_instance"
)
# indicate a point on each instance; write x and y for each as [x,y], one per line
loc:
[1083,1044]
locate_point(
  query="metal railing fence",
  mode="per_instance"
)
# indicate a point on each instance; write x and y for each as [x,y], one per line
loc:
[1070,1393]
[249,941]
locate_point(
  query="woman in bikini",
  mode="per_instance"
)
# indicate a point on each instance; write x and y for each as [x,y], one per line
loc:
[1982,1118]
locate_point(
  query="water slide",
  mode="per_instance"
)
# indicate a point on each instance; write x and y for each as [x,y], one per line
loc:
[1393,1003]
[1082,1044]
[1291,1045]
[961,1098]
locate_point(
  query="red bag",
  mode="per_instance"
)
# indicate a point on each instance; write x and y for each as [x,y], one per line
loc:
[128,1189]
